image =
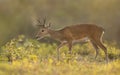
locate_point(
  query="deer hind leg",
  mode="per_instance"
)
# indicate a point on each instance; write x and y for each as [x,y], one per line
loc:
[96,48]
[104,49]
[98,41]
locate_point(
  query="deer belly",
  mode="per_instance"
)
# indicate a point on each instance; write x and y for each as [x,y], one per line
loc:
[85,39]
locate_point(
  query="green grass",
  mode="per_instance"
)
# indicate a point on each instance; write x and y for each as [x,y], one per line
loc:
[30,57]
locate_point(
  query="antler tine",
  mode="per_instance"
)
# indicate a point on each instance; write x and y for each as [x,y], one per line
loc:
[39,21]
[44,21]
[49,24]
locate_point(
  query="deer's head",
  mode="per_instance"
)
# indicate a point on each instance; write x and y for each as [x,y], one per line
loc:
[43,29]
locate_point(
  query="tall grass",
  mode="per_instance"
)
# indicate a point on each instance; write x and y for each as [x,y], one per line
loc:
[23,56]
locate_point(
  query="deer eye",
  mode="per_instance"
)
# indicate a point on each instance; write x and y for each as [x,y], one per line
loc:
[42,30]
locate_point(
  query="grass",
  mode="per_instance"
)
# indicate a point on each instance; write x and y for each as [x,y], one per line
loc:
[30,57]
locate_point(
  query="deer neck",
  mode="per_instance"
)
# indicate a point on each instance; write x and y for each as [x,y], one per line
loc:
[55,34]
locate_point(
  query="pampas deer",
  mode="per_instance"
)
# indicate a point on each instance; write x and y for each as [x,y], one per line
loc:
[71,34]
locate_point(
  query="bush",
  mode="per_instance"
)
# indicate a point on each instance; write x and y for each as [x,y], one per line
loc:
[21,48]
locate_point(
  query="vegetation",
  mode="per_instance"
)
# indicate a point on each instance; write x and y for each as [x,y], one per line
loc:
[22,56]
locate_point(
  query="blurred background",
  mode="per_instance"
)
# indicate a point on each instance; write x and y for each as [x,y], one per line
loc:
[19,16]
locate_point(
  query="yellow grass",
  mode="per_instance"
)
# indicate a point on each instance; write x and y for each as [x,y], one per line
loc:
[33,58]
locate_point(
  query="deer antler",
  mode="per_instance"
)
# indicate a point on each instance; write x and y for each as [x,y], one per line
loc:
[38,21]
[43,23]
[49,25]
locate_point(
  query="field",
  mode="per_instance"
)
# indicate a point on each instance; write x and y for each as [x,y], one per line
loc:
[22,56]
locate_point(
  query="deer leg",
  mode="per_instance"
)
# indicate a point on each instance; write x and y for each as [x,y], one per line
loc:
[100,44]
[104,49]
[96,48]
[70,47]
[58,49]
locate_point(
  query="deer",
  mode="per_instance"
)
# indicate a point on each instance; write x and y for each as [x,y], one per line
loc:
[70,34]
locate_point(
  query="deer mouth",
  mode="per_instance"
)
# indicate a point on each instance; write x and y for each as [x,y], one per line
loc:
[39,38]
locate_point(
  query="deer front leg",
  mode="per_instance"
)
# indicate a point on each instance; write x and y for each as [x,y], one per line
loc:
[58,49]
[70,47]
